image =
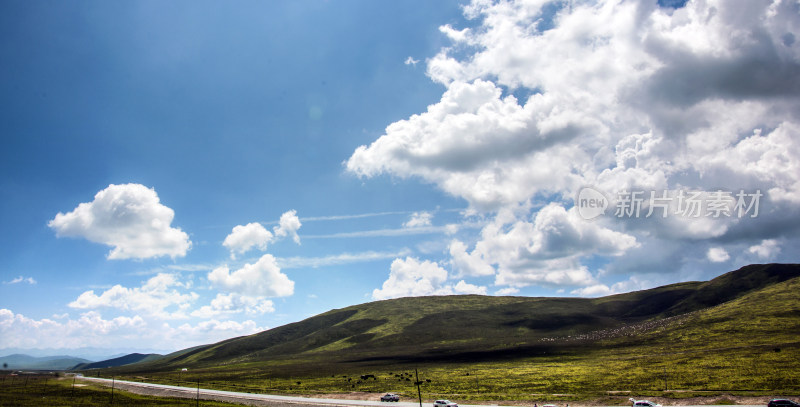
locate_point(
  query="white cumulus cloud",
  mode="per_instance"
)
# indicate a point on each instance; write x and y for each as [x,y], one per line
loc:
[128,217]
[288,225]
[507,291]
[462,287]
[419,219]
[601,290]
[159,296]
[717,255]
[260,279]
[243,238]
[91,329]
[411,277]
[546,251]
[233,303]
[767,249]
[469,264]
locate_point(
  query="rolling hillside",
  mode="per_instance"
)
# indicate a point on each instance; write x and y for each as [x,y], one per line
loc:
[472,329]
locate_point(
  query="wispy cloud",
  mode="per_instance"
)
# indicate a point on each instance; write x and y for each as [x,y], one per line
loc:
[422,230]
[355,216]
[364,215]
[173,267]
[21,279]
[338,259]
[95,287]
[189,267]
[411,61]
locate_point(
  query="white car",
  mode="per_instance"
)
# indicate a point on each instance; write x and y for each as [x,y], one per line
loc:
[444,403]
[390,397]
[644,403]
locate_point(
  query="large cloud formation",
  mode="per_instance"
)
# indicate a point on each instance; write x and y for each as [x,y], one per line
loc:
[128,217]
[619,95]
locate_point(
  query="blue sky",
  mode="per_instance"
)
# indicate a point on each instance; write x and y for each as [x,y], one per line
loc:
[180,173]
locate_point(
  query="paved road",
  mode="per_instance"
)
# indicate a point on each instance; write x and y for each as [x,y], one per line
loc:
[263,399]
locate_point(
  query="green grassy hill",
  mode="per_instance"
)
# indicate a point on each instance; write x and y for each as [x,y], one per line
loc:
[737,331]
[472,327]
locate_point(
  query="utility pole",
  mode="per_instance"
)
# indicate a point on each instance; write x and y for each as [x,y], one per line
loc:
[419,392]
[112,389]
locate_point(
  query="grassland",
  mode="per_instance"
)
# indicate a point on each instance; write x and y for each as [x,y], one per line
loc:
[47,390]
[735,335]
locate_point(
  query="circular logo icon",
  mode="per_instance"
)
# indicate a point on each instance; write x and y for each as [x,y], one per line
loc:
[591,203]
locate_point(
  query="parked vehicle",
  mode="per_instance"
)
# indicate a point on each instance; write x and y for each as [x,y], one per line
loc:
[444,403]
[782,403]
[390,397]
[644,403]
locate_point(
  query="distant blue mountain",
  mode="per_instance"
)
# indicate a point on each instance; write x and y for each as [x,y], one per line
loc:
[120,361]
[89,353]
[26,362]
